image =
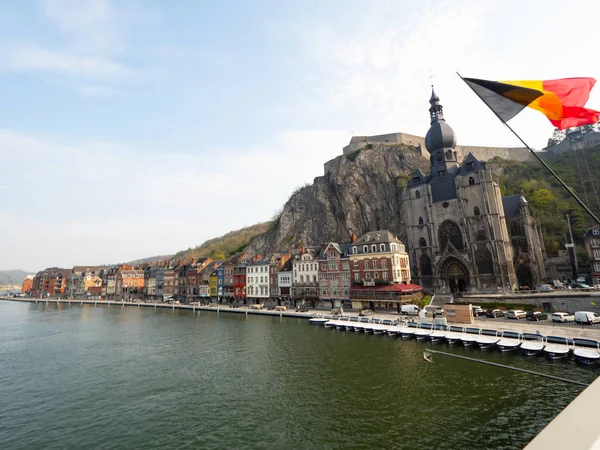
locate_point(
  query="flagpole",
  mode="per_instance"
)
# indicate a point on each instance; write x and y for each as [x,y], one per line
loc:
[563,184]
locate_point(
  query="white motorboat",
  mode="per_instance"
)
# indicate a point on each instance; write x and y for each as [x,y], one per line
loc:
[318,320]
[471,336]
[532,344]
[352,322]
[380,328]
[452,337]
[438,335]
[487,341]
[422,333]
[395,330]
[555,350]
[407,332]
[331,324]
[588,352]
[454,334]
[341,324]
[509,341]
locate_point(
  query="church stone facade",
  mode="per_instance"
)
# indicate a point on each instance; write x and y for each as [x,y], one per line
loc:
[462,234]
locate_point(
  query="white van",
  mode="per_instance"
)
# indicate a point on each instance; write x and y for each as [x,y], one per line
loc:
[586,317]
[410,309]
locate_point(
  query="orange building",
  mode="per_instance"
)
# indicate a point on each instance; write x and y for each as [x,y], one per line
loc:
[27,284]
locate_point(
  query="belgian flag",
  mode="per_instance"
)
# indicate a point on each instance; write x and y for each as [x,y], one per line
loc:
[561,101]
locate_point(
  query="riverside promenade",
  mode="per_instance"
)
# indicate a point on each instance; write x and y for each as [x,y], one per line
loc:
[520,326]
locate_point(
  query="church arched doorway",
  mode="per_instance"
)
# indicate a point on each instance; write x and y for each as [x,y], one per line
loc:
[455,275]
[524,277]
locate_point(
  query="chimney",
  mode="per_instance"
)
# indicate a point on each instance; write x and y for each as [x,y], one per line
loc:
[302,249]
[352,238]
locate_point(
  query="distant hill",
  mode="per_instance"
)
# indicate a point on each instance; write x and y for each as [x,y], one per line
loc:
[147,260]
[13,276]
[226,245]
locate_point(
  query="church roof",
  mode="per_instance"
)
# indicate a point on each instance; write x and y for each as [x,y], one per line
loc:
[471,164]
[440,135]
[512,205]
[417,177]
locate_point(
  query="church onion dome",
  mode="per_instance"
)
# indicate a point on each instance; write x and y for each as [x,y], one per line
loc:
[440,134]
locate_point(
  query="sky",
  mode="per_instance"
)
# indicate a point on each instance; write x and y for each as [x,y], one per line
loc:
[132,128]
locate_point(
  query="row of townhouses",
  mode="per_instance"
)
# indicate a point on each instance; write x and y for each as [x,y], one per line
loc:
[368,272]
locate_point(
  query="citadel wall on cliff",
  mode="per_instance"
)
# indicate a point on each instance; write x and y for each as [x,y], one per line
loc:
[480,152]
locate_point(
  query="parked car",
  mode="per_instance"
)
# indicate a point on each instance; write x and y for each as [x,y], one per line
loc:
[583,286]
[439,312]
[536,316]
[544,288]
[586,317]
[563,317]
[365,312]
[516,314]
[493,313]
[478,311]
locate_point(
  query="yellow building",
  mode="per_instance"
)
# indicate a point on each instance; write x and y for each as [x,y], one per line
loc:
[213,284]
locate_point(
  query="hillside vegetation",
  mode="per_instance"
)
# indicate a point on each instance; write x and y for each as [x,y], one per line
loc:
[13,276]
[548,200]
[226,245]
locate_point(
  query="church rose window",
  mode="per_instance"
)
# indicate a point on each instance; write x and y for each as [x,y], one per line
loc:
[450,232]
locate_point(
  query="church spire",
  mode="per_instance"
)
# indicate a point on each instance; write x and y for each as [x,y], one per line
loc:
[436,111]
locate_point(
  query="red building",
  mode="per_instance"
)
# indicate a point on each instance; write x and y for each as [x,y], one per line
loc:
[239,281]
[50,282]
[334,275]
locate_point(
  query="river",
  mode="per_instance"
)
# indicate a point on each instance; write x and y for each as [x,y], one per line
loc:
[112,377]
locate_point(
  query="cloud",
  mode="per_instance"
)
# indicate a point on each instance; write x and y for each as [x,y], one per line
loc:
[92,24]
[90,90]
[31,58]
[94,202]
[375,76]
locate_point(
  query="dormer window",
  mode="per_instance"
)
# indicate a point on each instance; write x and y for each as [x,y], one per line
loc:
[441,173]
[416,179]
[373,248]
[365,249]
[417,194]
[377,237]
[471,181]
[470,166]
[354,250]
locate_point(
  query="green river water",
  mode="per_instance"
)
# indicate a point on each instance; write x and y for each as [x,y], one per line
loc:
[85,377]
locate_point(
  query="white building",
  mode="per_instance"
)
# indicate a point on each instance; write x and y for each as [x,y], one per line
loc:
[305,278]
[257,281]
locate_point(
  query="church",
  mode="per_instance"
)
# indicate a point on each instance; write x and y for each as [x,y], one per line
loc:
[462,234]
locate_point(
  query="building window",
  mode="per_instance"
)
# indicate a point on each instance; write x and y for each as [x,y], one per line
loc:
[420,220]
[365,249]
[441,173]
[366,263]
[471,181]
[357,276]
[417,194]
[355,263]
[373,248]
[384,263]
[422,242]
[382,247]
[476,211]
[354,250]
[375,264]
[385,276]
[450,232]
[376,275]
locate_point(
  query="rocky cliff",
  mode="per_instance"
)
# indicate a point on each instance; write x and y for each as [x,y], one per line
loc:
[361,192]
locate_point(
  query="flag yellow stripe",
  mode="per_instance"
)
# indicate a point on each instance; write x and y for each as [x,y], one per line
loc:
[548,104]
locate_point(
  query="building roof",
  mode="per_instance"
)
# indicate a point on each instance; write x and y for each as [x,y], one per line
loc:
[417,177]
[380,236]
[512,205]
[471,164]
[590,232]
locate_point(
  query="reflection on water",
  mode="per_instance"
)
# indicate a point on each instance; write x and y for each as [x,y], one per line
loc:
[145,378]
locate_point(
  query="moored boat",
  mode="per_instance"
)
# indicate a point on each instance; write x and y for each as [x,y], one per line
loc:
[509,341]
[587,352]
[487,341]
[454,334]
[555,348]
[331,324]
[407,332]
[438,335]
[532,344]
[318,320]
[471,336]
[422,333]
